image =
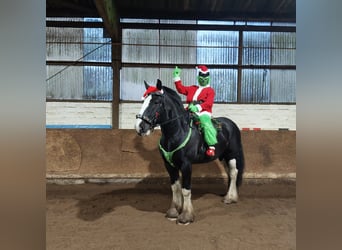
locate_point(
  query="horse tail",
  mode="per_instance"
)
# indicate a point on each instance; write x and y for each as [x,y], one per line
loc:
[240,165]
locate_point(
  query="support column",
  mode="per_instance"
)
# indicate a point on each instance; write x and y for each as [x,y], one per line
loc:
[116,65]
[239,76]
[107,10]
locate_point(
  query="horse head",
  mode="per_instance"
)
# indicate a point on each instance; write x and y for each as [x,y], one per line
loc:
[149,116]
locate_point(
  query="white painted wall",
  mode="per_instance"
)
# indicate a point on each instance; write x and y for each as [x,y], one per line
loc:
[77,113]
[265,117]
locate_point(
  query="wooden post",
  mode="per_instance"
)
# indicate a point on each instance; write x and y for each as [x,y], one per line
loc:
[116,65]
[239,76]
[107,11]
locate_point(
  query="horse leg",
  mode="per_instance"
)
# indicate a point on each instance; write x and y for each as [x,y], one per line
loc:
[187,215]
[232,171]
[177,198]
[177,201]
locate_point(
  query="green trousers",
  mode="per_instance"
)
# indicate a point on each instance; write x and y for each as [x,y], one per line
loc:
[208,129]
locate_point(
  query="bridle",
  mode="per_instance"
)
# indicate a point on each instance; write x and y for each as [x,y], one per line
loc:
[153,122]
[146,119]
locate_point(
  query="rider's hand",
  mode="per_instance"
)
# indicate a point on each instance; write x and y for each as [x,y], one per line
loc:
[192,108]
[176,72]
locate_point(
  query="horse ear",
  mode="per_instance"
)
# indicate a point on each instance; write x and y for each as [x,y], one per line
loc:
[159,84]
[146,85]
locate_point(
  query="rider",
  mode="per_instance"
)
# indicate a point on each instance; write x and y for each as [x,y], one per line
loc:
[200,99]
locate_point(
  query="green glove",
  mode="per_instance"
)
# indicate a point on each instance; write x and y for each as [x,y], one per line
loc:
[192,108]
[176,72]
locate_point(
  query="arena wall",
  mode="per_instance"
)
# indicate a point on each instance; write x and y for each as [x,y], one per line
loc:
[112,154]
[268,134]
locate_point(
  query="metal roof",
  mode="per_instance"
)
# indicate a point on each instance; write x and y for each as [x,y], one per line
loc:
[233,10]
[267,10]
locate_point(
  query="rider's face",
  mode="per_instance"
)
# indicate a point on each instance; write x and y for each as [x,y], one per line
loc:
[203,81]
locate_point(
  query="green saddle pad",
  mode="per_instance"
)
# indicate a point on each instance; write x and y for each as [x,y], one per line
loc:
[215,121]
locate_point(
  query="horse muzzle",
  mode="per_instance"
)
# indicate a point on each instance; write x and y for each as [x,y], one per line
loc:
[143,127]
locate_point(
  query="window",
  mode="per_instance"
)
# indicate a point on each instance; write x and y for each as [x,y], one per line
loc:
[78,63]
[246,65]
[250,62]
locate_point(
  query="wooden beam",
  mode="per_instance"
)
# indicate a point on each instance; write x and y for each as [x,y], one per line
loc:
[207,27]
[108,13]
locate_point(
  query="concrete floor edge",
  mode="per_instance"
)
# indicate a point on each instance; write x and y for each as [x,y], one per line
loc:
[249,178]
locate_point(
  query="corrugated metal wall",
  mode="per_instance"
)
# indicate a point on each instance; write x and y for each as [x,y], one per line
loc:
[255,86]
[217,47]
[177,46]
[64,83]
[64,43]
[140,46]
[283,48]
[224,81]
[263,84]
[283,86]
[269,48]
[256,48]
[74,81]
[162,49]
[96,47]
[172,47]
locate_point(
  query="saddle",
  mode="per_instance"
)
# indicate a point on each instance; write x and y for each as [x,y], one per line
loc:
[217,124]
[215,121]
[196,123]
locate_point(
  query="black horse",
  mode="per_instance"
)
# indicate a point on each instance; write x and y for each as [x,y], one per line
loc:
[182,144]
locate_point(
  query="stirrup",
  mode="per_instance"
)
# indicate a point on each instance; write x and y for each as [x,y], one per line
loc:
[210,151]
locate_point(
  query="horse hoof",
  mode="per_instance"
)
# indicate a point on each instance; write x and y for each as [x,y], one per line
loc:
[185,219]
[229,201]
[172,214]
[171,218]
[183,224]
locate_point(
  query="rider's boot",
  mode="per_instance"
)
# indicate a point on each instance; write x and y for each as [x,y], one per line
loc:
[210,151]
[209,133]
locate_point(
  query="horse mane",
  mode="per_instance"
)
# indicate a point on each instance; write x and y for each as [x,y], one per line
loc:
[173,95]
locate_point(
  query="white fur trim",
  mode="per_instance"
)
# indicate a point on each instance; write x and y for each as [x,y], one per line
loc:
[199,107]
[197,93]
[205,113]
[202,71]
[176,79]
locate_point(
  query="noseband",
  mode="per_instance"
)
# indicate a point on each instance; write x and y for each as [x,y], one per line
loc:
[147,120]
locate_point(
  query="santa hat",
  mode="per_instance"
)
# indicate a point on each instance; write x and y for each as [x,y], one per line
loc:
[203,70]
[151,89]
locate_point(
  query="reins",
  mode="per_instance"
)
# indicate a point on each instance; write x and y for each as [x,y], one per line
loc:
[173,119]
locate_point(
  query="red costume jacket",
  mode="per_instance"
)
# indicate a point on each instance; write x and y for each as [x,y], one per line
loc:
[205,95]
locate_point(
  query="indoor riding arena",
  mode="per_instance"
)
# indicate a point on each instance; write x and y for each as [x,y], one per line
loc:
[107,187]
